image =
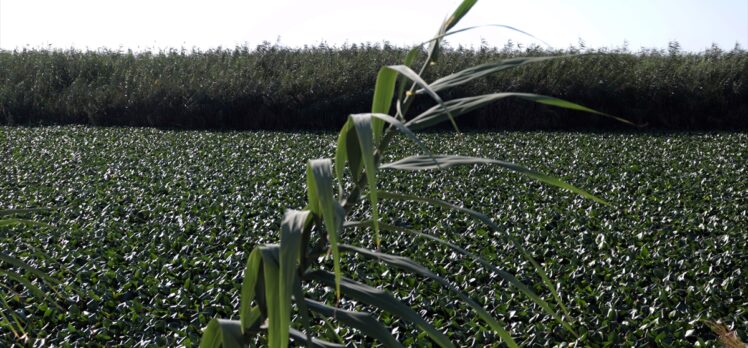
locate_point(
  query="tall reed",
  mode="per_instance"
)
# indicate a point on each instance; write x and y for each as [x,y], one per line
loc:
[278,277]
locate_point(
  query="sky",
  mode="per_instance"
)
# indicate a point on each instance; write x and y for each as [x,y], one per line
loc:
[160,24]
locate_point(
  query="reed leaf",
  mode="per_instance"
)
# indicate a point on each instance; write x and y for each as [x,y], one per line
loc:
[320,186]
[416,268]
[491,225]
[382,300]
[506,276]
[292,227]
[460,106]
[362,123]
[223,333]
[446,161]
[364,322]
[247,317]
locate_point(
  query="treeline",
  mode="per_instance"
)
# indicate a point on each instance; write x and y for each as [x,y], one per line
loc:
[271,87]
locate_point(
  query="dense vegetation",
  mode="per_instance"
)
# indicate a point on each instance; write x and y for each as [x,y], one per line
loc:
[151,231]
[272,87]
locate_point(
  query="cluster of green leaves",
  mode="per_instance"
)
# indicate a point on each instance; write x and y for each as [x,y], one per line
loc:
[154,228]
[21,274]
[272,87]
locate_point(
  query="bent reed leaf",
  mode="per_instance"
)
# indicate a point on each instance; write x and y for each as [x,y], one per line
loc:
[508,277]
[382,300]
[460,106]
[364,322]
[363,124]
[222,333]
[416,268]
[292,227]
[447,161]
[491,225]
[319,180]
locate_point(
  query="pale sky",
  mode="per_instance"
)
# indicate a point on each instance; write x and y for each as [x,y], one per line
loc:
[157,24]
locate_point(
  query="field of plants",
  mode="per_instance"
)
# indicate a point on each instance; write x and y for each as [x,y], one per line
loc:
[272,87]
[150,231]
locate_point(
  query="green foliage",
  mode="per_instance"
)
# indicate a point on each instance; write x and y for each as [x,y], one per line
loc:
[156,228]
[21,273]
[272,87]
[280,269]
[284,295]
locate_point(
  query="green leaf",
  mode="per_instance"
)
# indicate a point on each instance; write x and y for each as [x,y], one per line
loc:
[472,73]
[446,161]
[460,12]
[493,226]
[414,267]
[247,317]
[7,212]
[508,277]
[276,332]
[33,289]
[292,227]
[413,76]
[402,80]
[316,343]
[364,322]
[362,123]
[384,90]
[319,179]
[18,222]
[298,294]
[461,106]
[223,333]
[453,32]
[383,300]
[450,22]
[26,267]
[347,150]
[403,129]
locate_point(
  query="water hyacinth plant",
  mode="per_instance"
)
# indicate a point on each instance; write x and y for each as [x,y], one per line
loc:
[276,275]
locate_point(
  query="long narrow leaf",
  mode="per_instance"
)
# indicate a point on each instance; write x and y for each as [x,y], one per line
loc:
[413,76]
[402,80]
[472,73]
[292,227]
[348,151]
[222,333]
[316,342]
[6,212]
[506,276]
[363,125]
[276,333]
[446,161]
[383,300]
[319,177]
[457,31]
[251,275]
[450,22]
[384,90]
[298,294]
[459,12]
[364,322]
[18,222]
[26,267]
[414,267]
[403,129]
[33,289]
[491,225]
[460,106]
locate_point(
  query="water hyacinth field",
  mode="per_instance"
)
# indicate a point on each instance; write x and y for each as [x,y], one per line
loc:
[149,232]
